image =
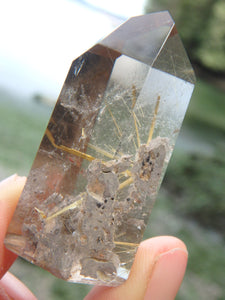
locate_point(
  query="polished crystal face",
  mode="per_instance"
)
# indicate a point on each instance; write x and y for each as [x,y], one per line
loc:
[100,164]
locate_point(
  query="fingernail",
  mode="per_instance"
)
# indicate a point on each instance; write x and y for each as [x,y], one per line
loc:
[13,178]
[167,275]
[3,294]
[11,187]
[8,179]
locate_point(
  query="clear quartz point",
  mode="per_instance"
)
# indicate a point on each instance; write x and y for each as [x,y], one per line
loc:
[100,164]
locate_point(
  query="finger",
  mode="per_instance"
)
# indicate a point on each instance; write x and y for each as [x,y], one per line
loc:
[10,190]
[157,272]
[167,275]
[14,288]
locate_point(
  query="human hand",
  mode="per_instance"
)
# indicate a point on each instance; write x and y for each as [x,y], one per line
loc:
[10,286]
[156,274]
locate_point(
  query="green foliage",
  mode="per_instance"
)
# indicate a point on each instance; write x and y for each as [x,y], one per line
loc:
[197,185]
[207,105]
[211,51]
[201,26]
[195,179]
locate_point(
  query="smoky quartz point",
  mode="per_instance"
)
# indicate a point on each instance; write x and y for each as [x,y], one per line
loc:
[101,161]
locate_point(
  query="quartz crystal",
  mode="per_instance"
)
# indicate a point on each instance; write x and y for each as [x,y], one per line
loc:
[99,166]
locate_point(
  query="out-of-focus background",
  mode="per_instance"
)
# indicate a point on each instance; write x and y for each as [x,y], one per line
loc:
[39,40]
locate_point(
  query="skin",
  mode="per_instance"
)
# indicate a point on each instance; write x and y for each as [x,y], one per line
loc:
[157,271]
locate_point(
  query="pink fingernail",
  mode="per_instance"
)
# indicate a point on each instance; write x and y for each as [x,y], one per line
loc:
[10,178]
[13,179]
[167,275]
[3,294]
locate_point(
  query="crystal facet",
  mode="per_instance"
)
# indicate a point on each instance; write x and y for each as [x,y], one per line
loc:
[101,161]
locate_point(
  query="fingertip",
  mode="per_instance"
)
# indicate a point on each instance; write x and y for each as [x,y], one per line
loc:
[167,275]
[165,249]
[13,179]
[161,244]
[15,289]
[10,191]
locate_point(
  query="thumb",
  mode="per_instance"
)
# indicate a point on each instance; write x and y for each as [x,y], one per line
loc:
[156,274]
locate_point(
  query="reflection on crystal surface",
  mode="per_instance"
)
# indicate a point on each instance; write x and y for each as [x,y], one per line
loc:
[97,172]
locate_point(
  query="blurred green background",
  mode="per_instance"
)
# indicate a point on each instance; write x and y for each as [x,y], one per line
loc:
[191,202]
